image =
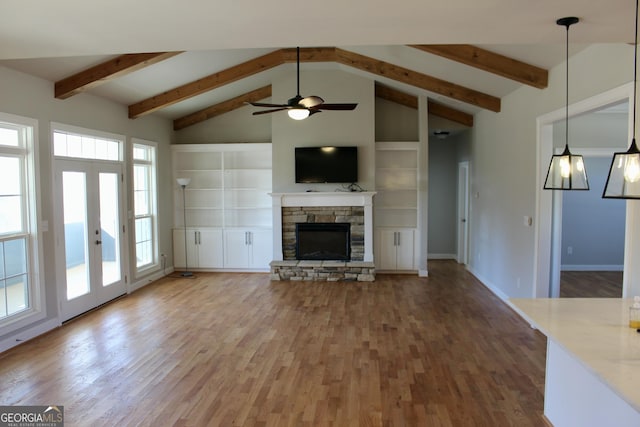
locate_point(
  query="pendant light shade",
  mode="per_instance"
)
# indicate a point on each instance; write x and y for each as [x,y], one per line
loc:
[623,181]
[566,170]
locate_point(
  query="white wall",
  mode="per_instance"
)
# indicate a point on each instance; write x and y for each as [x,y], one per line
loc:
[395,122]
[235,126]
[33,97]
[592,227]
[326,128]
[504,167]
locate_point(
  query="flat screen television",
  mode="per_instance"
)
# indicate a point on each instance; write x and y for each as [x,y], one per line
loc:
[326,164]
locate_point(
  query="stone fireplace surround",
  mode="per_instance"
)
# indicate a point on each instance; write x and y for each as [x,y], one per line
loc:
[355,208]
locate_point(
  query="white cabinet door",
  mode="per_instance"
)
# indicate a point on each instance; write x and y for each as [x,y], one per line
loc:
[261,248]
[236,252]
[405,249]
[395,249]
[248,248]
[209,243]
[204,248]
[179,248]
[386,250]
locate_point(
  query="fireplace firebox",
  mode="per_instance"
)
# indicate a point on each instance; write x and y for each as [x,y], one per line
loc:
[326,241]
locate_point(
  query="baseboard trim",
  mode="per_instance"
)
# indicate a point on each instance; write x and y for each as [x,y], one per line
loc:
[442,256]
[144,281]
[28,334]
[494,289]
[604,267]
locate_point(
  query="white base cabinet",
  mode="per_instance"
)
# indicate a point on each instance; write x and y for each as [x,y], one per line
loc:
[248,248]
[204,248]
[395,249]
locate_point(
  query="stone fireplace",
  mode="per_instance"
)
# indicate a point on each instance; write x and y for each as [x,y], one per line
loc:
[323,241]
[313,211]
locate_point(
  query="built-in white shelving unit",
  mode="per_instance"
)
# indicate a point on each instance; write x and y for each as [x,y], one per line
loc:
[228,197]
[396,205]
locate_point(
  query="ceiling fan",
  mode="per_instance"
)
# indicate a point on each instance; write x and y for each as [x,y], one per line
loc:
[300,107]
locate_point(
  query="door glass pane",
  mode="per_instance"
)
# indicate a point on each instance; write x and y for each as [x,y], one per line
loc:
[110,226]
[75,233]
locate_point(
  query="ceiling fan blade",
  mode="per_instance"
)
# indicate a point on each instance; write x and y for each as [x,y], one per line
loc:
[262,104]
[336,107]
[310,101]
[257,113]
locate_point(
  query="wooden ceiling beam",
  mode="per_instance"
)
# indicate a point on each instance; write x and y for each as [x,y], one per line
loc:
[449,113]
[221,108]
[393,95]
[422,81]
[205,84]
[321,54]
[310,54]
[106,71]
[440,110]
[491,62]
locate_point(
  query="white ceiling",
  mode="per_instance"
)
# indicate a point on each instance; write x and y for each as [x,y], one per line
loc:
[55,39]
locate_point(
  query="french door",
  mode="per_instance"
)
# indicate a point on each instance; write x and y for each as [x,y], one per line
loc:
[89,256]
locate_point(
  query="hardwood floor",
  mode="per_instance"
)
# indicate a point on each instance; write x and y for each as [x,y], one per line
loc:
[591,284]
[239,350]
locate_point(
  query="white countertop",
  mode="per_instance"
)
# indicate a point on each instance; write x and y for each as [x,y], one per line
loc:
[596,332]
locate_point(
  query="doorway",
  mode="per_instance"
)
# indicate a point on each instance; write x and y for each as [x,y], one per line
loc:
[89,260]
[549,204]
[463,213]
[593,228]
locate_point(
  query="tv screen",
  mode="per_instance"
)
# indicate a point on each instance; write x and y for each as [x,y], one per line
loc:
[326,164]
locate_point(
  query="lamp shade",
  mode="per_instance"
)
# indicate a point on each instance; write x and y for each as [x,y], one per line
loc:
[566,172]
[298,113]
[183,181]
[623,181]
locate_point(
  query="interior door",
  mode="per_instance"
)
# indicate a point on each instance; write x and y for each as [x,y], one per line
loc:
[463,212]
[90,235]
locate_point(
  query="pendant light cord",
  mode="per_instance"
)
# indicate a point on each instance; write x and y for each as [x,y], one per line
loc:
[635,73]
[566,104]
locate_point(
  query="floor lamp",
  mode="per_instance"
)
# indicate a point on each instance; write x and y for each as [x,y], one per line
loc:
[183,182]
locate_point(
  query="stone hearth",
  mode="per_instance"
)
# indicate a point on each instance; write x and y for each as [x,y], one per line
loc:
[354,208]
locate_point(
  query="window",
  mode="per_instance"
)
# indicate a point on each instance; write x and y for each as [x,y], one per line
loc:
[144,202]
[19,291]
[69,142]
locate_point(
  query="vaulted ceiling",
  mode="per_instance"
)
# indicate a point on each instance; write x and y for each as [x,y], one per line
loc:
[192,60]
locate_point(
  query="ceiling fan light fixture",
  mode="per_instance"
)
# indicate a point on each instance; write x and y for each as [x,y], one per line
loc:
[298,113]
[299,107]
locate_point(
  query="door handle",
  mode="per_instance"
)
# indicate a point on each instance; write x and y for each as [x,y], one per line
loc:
[98,242]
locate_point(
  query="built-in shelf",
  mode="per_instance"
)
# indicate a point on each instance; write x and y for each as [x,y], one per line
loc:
[227,204]
[396,205]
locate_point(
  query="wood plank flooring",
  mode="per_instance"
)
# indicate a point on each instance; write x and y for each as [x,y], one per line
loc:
[235,349]
[591,284]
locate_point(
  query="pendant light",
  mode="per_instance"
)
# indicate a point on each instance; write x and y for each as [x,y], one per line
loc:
[623,181]
[566,170]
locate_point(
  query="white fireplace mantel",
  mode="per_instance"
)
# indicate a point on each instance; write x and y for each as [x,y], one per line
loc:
[316,198]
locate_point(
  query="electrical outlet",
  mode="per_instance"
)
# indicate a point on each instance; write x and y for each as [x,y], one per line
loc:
[569,250]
